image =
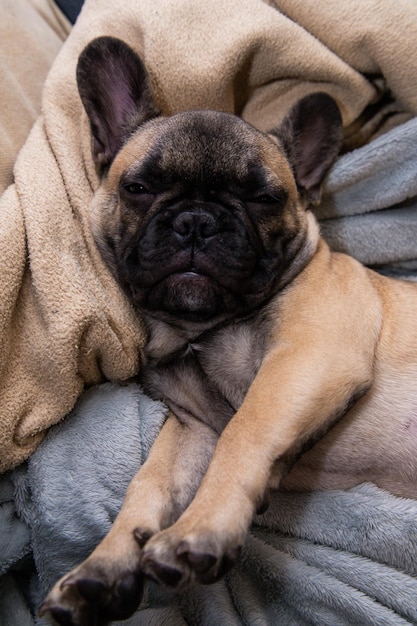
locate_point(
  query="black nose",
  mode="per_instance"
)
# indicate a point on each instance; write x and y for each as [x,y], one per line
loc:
[195,223]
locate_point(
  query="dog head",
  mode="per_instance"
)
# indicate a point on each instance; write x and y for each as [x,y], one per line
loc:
[200,216]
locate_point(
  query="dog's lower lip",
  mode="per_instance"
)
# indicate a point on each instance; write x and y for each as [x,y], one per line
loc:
[190,276]
[190,273]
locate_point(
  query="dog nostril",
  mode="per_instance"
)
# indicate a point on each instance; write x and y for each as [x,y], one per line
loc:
[183,224]
[208,226]
[195,223]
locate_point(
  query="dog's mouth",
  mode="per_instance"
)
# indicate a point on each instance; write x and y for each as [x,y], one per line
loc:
[185,266]
[188,295]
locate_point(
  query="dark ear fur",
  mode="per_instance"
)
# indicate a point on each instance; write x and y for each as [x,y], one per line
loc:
[115,91]
[311,136]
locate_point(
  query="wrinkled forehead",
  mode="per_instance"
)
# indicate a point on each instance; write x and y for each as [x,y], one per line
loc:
[202,147]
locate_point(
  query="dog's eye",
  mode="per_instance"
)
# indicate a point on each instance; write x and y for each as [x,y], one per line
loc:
[277,198]
[267,199]
[136,189]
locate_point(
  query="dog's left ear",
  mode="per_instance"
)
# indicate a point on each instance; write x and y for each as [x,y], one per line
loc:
[311,136]
[115,91]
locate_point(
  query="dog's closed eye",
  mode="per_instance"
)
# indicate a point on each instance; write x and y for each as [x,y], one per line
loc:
[276,197]
[267,199]
[136,189]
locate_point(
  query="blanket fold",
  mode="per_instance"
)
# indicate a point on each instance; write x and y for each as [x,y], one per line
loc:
[64,323]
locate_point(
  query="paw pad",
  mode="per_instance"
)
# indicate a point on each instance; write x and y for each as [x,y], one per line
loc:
[60,615]
[91,590]
[161,572]
[207,567]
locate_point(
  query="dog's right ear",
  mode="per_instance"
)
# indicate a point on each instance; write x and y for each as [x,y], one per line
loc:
[311,136]
[116,94]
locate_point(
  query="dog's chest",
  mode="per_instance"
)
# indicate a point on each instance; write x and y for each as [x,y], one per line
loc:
[208,378]
[230,359]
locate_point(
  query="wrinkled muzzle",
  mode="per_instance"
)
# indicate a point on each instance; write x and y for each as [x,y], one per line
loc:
[194,261]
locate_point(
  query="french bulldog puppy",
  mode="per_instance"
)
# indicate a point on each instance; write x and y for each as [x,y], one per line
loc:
[283,364]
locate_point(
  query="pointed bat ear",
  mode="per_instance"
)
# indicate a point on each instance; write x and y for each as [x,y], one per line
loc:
[311,136]
[115,91]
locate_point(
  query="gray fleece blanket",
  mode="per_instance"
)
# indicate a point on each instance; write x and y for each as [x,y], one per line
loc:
[322,558]
[326,558]
[369,204]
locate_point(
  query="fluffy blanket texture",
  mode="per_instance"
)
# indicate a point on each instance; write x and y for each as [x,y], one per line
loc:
[369,203]
[64,323]
[334,558]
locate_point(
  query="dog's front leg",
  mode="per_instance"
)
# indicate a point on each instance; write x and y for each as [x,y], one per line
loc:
[108,585]
[296,396]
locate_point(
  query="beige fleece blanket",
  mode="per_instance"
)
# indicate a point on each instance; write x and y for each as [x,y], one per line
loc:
[64,323]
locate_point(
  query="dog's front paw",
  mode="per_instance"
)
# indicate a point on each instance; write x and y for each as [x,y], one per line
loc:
[178,560]
[93,595]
